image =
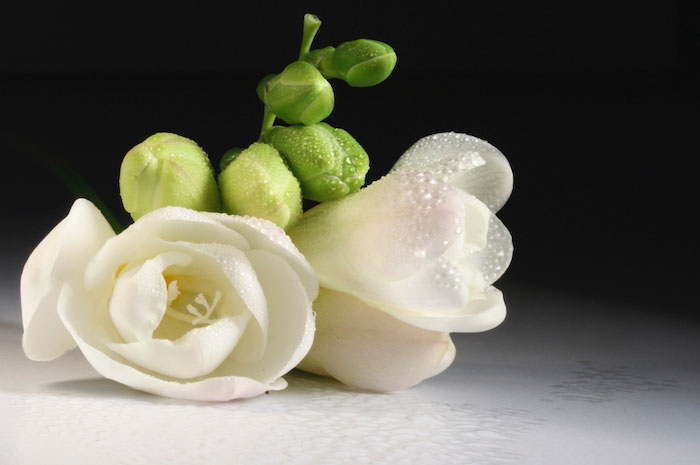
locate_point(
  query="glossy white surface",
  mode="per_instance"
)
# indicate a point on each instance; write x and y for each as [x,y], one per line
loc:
[560,382]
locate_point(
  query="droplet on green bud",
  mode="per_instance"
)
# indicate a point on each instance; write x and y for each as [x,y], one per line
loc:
[299,94]
[167,170]
[361,63]
[328,162]
[258,183]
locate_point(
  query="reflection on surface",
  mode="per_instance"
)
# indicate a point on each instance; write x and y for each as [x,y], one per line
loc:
[592,383]
[541,389]
[315,420]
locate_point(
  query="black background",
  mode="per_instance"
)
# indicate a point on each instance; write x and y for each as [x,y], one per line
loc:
[594,103]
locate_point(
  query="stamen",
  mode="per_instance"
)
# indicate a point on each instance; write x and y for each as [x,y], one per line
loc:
[202,300]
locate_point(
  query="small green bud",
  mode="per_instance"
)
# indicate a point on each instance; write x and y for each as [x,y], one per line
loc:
[299,94]
[258,183]
[362,63]
[167,170]
[328,162]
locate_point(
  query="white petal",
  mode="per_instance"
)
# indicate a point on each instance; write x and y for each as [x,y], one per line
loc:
[385,232]
[80,320]
[138,241]
[494,259]
[438,288]
[263,234]
[291,326]
[60,258]
[368,349]
[195,354]
[483,312]
[140,297]
[470,164]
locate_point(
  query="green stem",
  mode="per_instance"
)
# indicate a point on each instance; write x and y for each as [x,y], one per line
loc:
[311,26]
[268,122]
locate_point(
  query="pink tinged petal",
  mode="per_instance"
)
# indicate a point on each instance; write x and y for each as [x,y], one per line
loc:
[291,328]
[79,318]
[469,163]
[197,353]
[140,296]
[263,234]
[438,288]
[483,312]
[385,232]
[59,258]
[368,349]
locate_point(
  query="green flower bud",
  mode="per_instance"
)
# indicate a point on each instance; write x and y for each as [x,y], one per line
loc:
[167,170]
[361,63]
[258,183]
[299,94]
[328,162]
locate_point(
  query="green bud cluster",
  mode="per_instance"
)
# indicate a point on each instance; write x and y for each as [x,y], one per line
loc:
[328,162]
[267,179]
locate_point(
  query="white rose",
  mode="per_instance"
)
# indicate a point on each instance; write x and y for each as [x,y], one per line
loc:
[183,304]
[407,260]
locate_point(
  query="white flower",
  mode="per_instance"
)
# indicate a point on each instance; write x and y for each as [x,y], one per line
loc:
[184,304]
[407,260]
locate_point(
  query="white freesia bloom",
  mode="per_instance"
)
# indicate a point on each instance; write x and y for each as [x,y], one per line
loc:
[183,304]
[407,260]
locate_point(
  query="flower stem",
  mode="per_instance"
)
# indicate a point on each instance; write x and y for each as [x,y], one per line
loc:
[311,26]
[268,122]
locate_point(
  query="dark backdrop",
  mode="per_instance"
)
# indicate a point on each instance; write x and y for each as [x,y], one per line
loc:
[593,102]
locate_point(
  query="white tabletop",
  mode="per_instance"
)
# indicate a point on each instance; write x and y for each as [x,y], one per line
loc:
[560,382]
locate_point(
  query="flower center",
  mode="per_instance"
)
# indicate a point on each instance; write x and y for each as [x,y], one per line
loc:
[200,310]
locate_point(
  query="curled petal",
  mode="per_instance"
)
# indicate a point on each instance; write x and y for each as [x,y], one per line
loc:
[90,333]
[197,353]
[61,257]
[494,259]
[140,297]
[368,349]
[483,312]
[263,234]
[291,321]
[469,163]
[138,241]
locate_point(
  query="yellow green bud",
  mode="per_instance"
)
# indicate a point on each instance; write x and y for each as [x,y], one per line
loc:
[257,182]
[167,170]
[361,63]
[299,94]
[328,162]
